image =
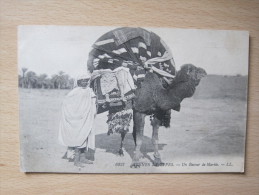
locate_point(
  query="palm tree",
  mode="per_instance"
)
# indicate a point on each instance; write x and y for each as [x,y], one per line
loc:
[20,81]
[24,70]
[31,79]
[41,80]
[49,84]
[67,81]
[71,83]
[58,79]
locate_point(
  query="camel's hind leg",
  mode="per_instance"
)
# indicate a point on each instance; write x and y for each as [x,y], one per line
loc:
[138,130]
[123,133]
[156,123]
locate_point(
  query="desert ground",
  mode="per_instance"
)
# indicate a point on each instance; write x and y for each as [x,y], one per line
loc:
[209,129]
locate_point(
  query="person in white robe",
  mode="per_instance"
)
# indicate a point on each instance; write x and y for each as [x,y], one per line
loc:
[76,129]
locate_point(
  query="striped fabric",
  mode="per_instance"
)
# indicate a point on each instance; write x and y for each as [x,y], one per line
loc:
[136,49]
[130,47]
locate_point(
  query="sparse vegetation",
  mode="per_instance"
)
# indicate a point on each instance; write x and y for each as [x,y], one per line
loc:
[29,79]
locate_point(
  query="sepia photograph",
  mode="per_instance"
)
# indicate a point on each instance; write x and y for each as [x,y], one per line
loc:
[102,99]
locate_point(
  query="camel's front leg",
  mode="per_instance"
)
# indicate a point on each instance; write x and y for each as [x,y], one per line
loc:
[138,131]
[156,123]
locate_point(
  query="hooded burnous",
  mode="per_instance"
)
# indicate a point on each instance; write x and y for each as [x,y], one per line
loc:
[78,113]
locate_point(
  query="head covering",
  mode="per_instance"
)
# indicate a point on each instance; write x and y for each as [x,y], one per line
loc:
[81,76]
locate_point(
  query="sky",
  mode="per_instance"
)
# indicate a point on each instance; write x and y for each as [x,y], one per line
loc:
[50,49]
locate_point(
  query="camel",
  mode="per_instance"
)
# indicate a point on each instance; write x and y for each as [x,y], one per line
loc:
[153,98]
[155,95]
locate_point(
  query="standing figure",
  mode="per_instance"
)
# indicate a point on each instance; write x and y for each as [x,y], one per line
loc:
[76,130]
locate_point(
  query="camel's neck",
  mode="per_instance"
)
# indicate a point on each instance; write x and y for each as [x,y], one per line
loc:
[182,90]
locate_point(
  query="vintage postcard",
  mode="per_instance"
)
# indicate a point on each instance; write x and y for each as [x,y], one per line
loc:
[132,99]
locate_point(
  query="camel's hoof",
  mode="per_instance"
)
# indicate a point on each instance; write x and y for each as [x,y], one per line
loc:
[135,164]
[157,162]
[121,153]
[79,164]
[65,156]
[137,156]
[86,161]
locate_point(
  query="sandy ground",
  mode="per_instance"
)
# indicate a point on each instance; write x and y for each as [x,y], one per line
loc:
[209,131]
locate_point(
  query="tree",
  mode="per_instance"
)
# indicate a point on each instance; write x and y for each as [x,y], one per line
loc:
[49,83]
[71,83]
[68,82]
[42,81]
[24,70]
[58,79]
[20,81]
[31,79]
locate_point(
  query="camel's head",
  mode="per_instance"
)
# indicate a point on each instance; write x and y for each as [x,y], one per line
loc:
[191,72]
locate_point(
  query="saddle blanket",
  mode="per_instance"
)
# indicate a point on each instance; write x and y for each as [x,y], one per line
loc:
[134,48]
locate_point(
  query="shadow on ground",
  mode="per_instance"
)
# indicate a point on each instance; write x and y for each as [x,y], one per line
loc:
[111,143]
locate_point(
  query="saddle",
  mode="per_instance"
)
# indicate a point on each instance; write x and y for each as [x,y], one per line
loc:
[108,91]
